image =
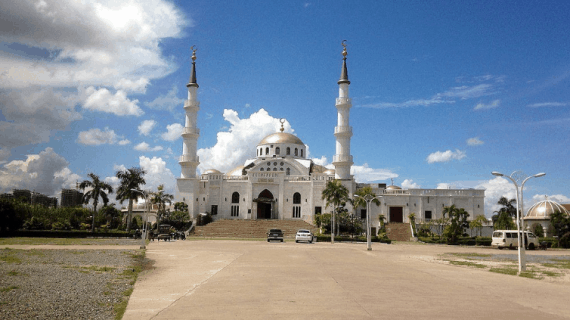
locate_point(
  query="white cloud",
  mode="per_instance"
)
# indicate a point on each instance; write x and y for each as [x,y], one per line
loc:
[95,137]
[560,198]
[446,156]
[547,104]
[124,142]
[32,114]
[128,85]
[146,127]
[474,141]
[492,105]
[46,173]
[365,174]
[410,184]
[173,132]
[143,146]
[104,101]
[119,167]
[323,161]
[444,185]
[494,190]
[156,174]
[237,144]
[468,92]
[170,101]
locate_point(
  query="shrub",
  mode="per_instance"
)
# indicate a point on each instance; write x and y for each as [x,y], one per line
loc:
[564,241]
[537,230]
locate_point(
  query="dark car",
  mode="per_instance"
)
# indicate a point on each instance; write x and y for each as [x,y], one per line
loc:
[275,234]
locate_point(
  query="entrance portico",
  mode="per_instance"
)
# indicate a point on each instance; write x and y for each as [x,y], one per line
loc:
[265,205]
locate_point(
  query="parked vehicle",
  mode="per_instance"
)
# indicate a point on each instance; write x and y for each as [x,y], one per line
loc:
[509,239]
[304,235]
[163,232]
[275,234]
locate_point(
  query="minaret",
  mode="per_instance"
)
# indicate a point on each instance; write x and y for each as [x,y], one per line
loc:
[342,160]
[189,159]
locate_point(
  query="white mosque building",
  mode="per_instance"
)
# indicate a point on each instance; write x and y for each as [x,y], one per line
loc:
[281,183]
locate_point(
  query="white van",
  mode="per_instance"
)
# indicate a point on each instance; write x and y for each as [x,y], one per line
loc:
[508,239]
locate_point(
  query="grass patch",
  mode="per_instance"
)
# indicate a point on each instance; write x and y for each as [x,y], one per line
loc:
[35,252]
[120,309]
[551,273]
[16,273]
[558,264]
[8,289]
[505,270]
[140,264]
[531,274]
[470,255]
[7,256]
[467,263]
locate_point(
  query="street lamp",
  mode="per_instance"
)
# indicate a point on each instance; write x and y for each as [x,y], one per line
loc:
[513,177]
[368,198]
[143,244]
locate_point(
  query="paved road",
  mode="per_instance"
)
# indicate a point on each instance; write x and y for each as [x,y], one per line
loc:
[220,279]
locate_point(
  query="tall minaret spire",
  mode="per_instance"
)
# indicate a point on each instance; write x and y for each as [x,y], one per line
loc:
[189,159]
[342,160]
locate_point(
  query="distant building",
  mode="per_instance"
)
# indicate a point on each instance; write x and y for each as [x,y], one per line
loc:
[30,197]
[71,198]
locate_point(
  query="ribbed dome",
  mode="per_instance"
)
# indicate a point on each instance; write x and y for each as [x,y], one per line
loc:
[393,187]
[281,137]
[237,171]
[329,171]
[543,209]
[209,171]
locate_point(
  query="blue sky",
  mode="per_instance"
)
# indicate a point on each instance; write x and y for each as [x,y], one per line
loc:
[443,92]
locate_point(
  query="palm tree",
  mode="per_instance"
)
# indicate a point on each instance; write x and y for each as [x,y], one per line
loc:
[130,179]
[336,195]
[98,189]
[508,206]
[161,198]
[363,194]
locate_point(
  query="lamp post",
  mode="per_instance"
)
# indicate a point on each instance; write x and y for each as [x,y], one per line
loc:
[368,198]
[143,237]
[517,175]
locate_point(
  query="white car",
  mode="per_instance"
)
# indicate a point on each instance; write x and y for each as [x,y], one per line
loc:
[304,235]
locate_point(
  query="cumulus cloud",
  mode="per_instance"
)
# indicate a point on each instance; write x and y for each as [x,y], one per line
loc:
[143,146]
[169,101]
[104,101]
[446,156]
[560,198]
[239,140]
[365,174]
[124,142]
[492,105]
[409,184]
[128,85]
[157,173]
[32,114]
[95,137]
[46,173]
[146,127]
[474,141]
[494,190]
[173,132]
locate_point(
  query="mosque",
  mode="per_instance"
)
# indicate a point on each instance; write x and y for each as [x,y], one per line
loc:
[282,183]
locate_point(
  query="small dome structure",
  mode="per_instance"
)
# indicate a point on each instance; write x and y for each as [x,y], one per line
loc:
[329,172]
[543,209]
[212,171]
[281,137]
[393,187]
[237,171]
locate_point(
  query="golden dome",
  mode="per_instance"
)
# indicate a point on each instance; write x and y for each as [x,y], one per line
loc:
[393,187]
[237,171]
[543,209]
[211,171]
[318,169]
[281,137]
[329,171]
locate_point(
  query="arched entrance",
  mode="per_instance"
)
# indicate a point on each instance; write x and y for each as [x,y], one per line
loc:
[265,203]
[396,214]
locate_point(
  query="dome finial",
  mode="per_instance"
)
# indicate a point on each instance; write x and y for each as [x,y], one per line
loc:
[193,48]
[282,120]
[344,72]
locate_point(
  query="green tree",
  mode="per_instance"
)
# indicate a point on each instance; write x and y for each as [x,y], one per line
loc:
[131,179]
[335,194]
[537,229]
[160,198]
[98,189]
[457,223]
[112,215]
[180,206]
[503,219]
[363,194]
[561,223]
[478,223]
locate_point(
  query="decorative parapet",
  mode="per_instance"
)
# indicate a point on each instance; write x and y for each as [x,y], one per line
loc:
[342,158]
[188,158]
[343,101]
[191,131]
[191,105]
[343,130]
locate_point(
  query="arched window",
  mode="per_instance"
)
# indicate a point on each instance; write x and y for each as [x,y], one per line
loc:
[274,169]
[235,197]
[266,151]
[261,169]
[260,151]
[301,153]
[288,171]
[288,151]
[277,150]
[297,198]
[296,152]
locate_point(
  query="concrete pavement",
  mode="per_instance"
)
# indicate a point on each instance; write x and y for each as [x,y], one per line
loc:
[219,279]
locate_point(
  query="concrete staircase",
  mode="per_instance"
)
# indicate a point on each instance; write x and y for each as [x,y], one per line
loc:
[250,228]
[398,231]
